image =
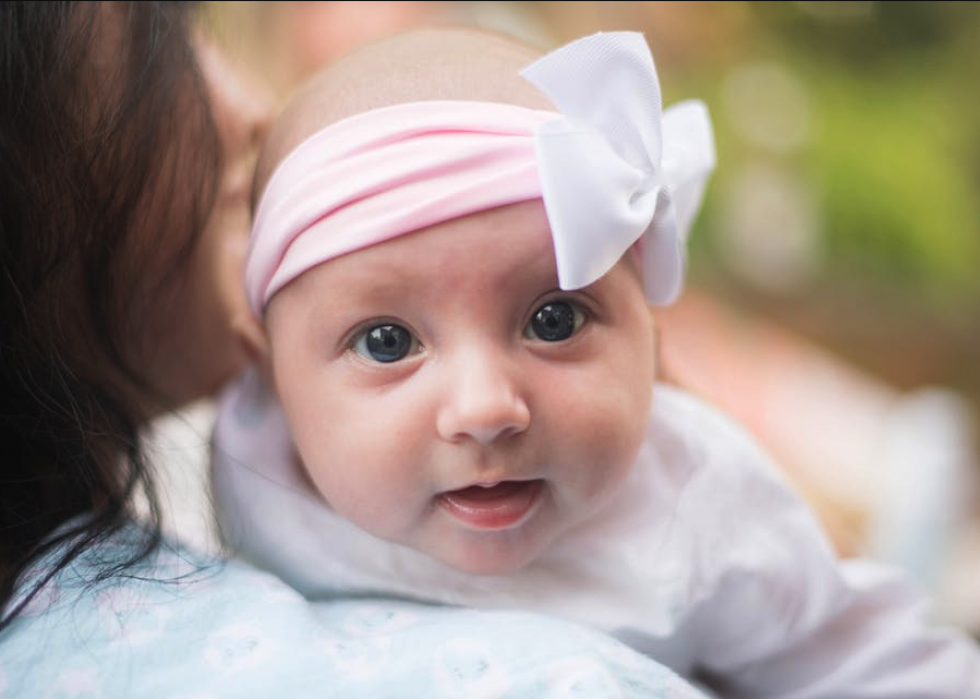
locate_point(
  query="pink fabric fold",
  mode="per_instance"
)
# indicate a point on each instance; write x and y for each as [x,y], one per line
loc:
[385,173]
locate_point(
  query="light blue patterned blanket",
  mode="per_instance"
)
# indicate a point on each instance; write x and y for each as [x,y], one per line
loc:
[228,630]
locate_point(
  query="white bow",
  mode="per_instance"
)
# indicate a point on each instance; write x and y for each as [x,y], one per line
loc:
[614,169]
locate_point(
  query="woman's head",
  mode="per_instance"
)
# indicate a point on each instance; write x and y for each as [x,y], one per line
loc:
[114,189]
[123,208]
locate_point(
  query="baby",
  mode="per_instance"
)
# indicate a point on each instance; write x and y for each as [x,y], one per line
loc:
[455,399]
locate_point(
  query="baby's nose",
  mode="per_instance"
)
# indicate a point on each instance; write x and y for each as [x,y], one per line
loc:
[484,401]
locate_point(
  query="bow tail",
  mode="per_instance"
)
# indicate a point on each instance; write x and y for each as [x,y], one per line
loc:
[662,253]
[689,158]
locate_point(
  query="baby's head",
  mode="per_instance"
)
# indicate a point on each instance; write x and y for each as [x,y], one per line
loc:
[458,377]
[429,64]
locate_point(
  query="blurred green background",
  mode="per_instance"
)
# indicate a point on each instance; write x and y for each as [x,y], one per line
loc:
[848,146]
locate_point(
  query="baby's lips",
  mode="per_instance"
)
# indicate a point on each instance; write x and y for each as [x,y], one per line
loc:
[497,505]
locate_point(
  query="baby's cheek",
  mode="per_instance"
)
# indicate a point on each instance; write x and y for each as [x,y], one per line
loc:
[630,420]
[605,449]
[625,444]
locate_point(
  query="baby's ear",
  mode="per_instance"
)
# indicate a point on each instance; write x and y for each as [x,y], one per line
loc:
[250,333]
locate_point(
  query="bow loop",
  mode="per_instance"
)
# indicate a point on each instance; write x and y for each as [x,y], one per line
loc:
[613,167]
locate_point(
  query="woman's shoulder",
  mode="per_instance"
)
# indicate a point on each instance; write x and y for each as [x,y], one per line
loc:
[181,626]
[127,634]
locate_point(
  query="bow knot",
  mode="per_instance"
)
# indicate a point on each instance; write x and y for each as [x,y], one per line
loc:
[651,183]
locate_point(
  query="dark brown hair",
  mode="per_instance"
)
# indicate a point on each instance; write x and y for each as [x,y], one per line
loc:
[103,113]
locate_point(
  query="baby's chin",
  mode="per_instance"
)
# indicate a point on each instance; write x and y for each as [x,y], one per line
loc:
[496,555]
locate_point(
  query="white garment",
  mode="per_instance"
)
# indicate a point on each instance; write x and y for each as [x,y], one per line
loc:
[706,561]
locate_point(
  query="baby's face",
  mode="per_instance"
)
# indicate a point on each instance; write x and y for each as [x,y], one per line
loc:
[444,394]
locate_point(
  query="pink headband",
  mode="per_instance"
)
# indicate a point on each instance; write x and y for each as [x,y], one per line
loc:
[609,168]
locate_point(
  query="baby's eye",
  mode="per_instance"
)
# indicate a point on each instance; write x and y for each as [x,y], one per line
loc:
[385,343]
[554,321]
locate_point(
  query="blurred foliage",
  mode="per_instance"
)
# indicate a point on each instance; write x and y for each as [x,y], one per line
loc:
[894,155]
[894,164]
[896,160]
[899,202]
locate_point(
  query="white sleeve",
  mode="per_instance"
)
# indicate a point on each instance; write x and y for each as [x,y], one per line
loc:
[778,615]
[874,642]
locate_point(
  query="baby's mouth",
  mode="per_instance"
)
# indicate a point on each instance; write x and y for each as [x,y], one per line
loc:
[492,505]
